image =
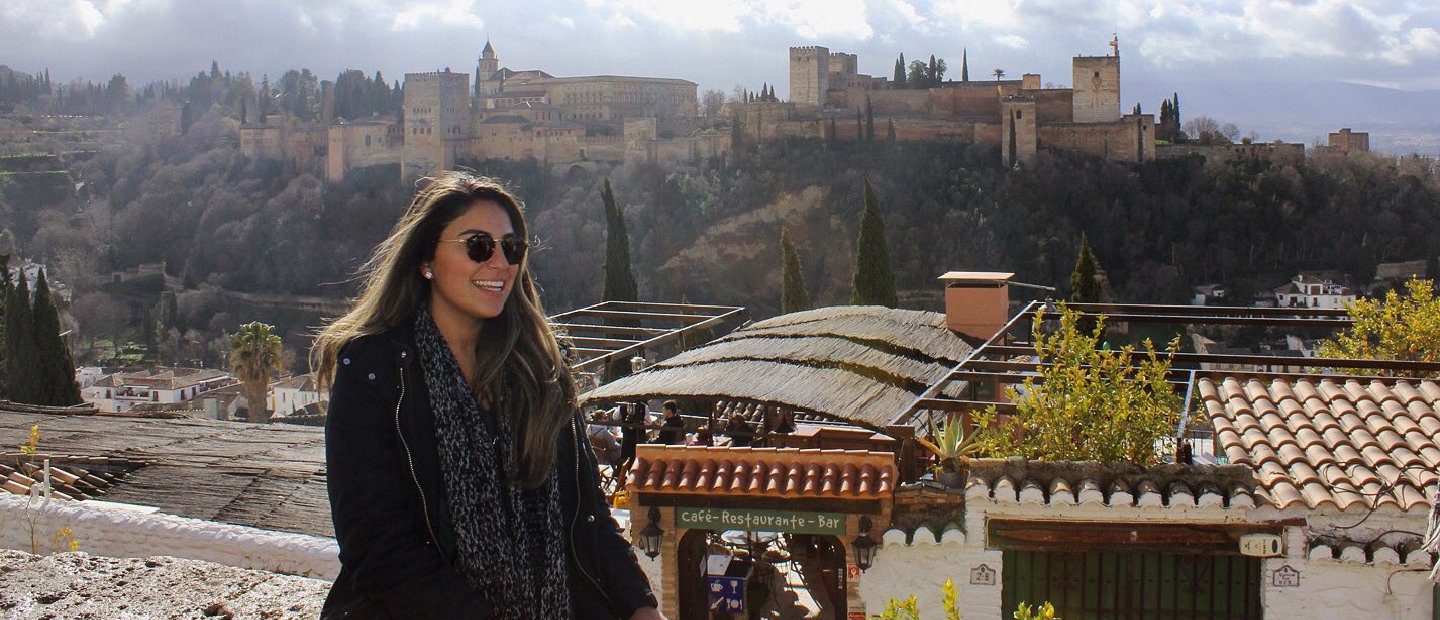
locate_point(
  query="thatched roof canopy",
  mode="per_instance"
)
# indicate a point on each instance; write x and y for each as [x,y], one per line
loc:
[861,364]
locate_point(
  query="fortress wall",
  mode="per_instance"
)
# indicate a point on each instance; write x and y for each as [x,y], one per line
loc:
[893,102]
[1054,105]
[1119,141]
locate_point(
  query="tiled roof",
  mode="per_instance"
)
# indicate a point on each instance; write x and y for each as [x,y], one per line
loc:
[768,472]
[1065,483]
[1317,442]
[70,477]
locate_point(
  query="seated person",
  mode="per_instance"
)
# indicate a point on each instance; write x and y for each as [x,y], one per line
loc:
[672,429]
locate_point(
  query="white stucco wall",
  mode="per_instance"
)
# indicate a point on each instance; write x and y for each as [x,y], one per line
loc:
[921,567]
[118,532]
[1387,586]
[1347,589]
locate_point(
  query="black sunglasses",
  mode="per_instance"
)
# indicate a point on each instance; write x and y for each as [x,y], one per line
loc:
[482,246]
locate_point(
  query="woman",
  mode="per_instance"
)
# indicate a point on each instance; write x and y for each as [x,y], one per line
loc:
[460,481]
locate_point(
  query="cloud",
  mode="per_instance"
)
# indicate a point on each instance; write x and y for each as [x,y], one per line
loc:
[49,20]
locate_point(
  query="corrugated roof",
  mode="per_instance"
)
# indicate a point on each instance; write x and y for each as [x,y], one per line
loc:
[855,363]
[1317,441]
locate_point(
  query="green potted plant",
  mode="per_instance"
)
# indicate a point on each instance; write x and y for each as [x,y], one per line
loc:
[953,447]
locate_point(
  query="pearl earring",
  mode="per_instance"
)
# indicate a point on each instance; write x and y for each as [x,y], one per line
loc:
[429,275]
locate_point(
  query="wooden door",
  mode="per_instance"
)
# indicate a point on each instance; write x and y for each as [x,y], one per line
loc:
[1148,586]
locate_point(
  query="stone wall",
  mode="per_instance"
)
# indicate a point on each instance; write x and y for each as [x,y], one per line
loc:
[1096,81]
[1131,139]
[809,75]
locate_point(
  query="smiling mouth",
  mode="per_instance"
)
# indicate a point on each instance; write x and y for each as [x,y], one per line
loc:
[490,285]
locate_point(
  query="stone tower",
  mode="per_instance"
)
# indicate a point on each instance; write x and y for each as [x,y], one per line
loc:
[809,75]
[1018,136]
[1097,89]
[437,121]
[489,62]
[487,82]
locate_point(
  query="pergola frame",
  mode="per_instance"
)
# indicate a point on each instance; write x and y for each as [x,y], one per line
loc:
[615,330]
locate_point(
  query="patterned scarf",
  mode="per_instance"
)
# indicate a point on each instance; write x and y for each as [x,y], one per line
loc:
[509,538]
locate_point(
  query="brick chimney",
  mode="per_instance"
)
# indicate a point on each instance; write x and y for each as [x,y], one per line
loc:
[977,303]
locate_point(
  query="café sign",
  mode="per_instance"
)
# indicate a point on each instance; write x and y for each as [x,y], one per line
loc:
[763,520]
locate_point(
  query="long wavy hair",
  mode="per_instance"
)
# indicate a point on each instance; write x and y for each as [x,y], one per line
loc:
[519,363]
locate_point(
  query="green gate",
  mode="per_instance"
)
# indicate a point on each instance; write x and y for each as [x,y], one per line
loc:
[1148,586]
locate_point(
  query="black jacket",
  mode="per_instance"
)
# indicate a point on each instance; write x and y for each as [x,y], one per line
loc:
[392,520]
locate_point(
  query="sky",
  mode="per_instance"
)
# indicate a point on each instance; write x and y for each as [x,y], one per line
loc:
[1241,48]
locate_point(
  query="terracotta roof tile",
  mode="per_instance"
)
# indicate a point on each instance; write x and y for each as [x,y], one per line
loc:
[1319,442]
[1407,393]
[771,472]
[1430,390]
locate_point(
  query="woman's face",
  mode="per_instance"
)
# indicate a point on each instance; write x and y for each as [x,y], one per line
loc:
[461,290]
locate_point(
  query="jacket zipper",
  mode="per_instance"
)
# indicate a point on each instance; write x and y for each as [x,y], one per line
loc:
[579,499]
[409,460]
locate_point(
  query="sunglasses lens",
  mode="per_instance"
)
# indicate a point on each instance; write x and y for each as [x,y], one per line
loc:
[481,247]
[514,250]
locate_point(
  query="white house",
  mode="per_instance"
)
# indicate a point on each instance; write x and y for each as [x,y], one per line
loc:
[121,391]
[1320,514]
[292,394]
[1305,291]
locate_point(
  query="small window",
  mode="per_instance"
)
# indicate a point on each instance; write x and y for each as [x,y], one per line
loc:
[1019,114]
[1097,74]
[367,140]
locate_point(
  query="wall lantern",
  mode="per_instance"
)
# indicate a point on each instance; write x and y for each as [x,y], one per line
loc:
[650,536]
[864,545]
[637,364]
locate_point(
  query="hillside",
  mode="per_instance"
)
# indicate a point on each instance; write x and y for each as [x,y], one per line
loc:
[219,221]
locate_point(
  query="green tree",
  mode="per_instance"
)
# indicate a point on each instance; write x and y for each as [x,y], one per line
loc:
[900,71]
[793,297]
[873,282]
[55,369]
[619,275]
[21,350]
[1086,404]
[1084,283]
[1399,327]
[890,131]
[254,356]
[998,73]
[4,341]
[964,64]
[869,120]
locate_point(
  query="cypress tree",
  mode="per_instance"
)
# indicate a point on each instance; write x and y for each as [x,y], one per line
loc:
[55,368]
[793,297]
[890,131]
[869,120]
[1084,284]
[20,343]
[859,126]
[900,71]
[619,275]
[874,282]
[834,133]
[964,65]
[4,342]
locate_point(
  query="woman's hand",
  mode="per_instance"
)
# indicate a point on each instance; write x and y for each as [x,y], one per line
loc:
[647,613]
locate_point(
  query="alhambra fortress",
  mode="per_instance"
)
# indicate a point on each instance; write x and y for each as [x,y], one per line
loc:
[512,114]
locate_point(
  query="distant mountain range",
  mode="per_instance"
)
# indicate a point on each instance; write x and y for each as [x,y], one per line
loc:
[1398,121]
